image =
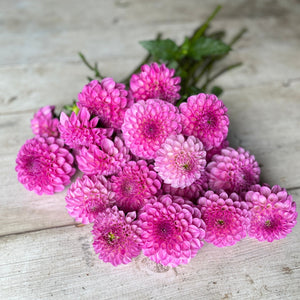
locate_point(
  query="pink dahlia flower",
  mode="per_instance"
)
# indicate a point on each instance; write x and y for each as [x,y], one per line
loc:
[155,82]
[79,130]
[226,218]
[106,159]
[107,100]
[191,192]
[147,124]
[273,213]
[233,171]
[134,185]
[44,165]
[179,161]
[44,123]
[115,236]
[88,196]
[205,117]
[171,229]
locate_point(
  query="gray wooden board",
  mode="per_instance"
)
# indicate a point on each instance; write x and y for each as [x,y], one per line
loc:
[43,254]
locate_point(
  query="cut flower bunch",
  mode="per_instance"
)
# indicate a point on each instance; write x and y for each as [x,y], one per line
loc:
[158,175]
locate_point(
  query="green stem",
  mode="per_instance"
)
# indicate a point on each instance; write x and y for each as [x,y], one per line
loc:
[94,69]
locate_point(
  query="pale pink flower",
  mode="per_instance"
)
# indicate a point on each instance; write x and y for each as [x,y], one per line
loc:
[106,159]
[44,123]
[147,124]
[205,117]
[180,161]
[107,100]
[115,236]
[134,185]
[171,229]
[44,165]
[88,196]
[226,218]
[155,82]
[79,130]
[233,171]
[273,213]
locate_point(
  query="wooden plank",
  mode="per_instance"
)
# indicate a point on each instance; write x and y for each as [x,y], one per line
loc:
[60,263]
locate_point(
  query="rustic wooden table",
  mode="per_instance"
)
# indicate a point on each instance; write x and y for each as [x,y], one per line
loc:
[43,253]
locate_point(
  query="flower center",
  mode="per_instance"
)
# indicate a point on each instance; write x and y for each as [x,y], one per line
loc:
[33,166]
[165,230]
[183,161]
[150,129]
[220,222]
[268,223]
[128,187]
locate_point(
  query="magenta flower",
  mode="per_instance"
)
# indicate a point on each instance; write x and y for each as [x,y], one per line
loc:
[191,192]
[205,117]
[233,171]
[107,100]
[44,165]
[155,82]
[79,130]
[147,124]
[134,185]
[44,123]
[216,150]
[88,196]
[171,229]
[179,161]
[106,159]
[226,218]
[115,236]
[273,213]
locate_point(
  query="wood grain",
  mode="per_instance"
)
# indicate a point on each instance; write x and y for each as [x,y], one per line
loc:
[43,254]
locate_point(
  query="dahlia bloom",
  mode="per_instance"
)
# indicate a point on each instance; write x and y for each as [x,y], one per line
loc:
[191,192]
[273,213]
[88,196]
[179,161]
[134,185]
[44,165]
[233,171]
[44,123]
[147,124]
[226,218]
[107,100]
[115,236]
[205,117]
[106,159]
[171,230]
[79,130]
[155,82]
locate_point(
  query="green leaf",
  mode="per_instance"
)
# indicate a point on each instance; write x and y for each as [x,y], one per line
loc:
[161,49]
[205,46]
[216,90]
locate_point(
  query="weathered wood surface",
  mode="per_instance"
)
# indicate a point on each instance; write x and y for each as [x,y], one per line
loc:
[43,254]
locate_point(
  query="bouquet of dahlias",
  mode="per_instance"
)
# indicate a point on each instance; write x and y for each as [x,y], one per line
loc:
[157,172]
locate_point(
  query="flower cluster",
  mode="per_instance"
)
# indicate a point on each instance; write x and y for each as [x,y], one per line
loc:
[157,178]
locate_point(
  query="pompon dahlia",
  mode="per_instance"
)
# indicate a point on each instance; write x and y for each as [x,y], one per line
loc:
[79,130]
[44,123]
[171,230]
[107,100]
[179,161]
[106,159]
[115,236]
[88,196]
[205,117]
[44,165]
[226,218]
[155,82]
[273,213]
[147,124]
[233,171]
[134,185]
[191,192]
